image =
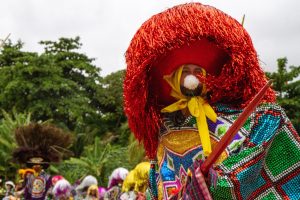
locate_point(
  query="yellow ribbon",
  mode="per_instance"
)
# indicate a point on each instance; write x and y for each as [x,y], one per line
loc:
[197,106]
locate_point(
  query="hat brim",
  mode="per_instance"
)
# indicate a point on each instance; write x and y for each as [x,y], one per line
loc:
[38,163]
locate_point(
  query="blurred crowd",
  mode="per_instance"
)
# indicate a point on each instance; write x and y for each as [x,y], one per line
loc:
[122,184]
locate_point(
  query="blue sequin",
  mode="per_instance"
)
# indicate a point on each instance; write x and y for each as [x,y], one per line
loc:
[185,161]
[152,179]
[223,108]
[264,129]
[250,179]
[291,188]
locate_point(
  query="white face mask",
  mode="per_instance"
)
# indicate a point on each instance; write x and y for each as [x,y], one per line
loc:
[191,82]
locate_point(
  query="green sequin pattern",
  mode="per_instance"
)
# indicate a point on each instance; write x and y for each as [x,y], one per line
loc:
[268,166]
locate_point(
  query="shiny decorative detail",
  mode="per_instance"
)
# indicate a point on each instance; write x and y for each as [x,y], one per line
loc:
[152,180]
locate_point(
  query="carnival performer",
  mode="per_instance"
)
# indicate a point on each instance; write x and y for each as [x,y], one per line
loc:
[56,178]
[9,189]
[62,190]
[101,191]
[136,182]
[82,188]
[92,193]
[128,187]
[191,70]
[115,183]
[38,146]
[23,175]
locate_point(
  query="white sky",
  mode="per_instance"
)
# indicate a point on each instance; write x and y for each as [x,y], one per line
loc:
[107,26]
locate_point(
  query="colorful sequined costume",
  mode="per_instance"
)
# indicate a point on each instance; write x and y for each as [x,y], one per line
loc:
[262,162]
[250,168]
[37,186]
[114,188]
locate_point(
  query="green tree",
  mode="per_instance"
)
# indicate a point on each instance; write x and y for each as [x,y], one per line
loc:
[7,141]
[59,84]
[63,85]
[111,101]
[98,159]
[287,85]
[136,151]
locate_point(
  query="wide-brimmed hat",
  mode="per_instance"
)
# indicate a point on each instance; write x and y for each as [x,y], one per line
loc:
[87,182]
[10,183]
[37,160]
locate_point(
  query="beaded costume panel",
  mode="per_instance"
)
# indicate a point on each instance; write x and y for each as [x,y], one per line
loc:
[180,146]
[269,165]
[262,162]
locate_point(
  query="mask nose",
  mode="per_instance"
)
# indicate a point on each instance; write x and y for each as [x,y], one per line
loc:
[191,82]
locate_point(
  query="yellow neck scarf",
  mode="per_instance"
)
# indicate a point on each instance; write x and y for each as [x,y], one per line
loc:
[197,106]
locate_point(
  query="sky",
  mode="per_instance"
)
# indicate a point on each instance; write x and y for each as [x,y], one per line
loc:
[107,26]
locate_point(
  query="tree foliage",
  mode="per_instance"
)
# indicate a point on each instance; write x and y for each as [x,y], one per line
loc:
[287,84]
[7,141]
[58,84]
[64,85]
[112,99]
[98,159]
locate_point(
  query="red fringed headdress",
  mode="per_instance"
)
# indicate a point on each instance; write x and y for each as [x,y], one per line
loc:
[187,34]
